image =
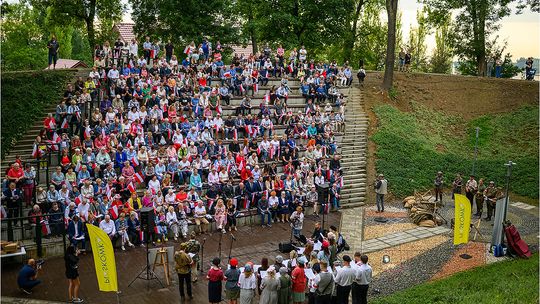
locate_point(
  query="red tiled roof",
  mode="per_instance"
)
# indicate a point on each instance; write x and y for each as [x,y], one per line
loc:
[70,64]
[125,30]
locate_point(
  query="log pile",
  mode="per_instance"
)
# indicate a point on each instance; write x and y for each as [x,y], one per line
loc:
[423,210]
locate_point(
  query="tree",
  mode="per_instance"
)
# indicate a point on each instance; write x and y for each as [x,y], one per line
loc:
[185,21]
[391,11]
[76,12]
[417,46]
[441,60]
[352,35]
[475,21]
[23,38]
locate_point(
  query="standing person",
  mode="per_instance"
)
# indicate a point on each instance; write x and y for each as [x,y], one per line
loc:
[408,58]
[363,279]
[324,281]
[489,71]
[169,49]
[183,268]
[232,275]
[457,185]
[479,197]
[71,259]
[401,60]
[470,189]
[53,47]
[298,277]
[193,246]
[297,221]
[270,286]
[214,277]
[490,195]
[247,284]
[344,279]
[438,184]
[381,188]
[285,284]
[498,68]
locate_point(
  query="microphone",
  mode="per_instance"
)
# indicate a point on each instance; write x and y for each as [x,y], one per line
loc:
[233,237]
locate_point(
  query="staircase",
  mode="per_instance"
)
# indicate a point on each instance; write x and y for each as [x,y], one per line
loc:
[354,151]
[25,144]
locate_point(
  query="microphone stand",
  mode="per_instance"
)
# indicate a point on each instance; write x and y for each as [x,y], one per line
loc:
[219,245]
[201,262]
[230,247]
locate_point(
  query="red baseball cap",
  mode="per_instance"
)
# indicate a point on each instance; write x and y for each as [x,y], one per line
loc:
[233,262]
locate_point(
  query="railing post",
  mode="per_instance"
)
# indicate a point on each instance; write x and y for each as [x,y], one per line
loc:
[37,171]
[38,236]
[64,236]
[47,174]
[59,153]
[10,229]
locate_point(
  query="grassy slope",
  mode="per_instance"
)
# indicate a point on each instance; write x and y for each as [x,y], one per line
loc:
[512,282]
[412,146]
[25,95]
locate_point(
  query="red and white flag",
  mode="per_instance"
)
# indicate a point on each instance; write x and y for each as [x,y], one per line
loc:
[227,74]
[267,97]
[135,161]
[52,124]
[138,177]
[78,166]
[187,50]
[131,187]
[35,151]
[64,124]
[129,144]
[210,204]
[235,134]
[113,211]
[78,115]
[256,87]
[87,132]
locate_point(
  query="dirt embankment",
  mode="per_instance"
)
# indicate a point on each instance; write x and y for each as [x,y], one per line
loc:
[467,96]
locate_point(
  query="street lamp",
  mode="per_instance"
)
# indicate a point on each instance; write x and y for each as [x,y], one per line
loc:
[509,166]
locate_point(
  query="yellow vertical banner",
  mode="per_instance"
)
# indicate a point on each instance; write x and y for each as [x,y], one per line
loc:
[103,252]
[462,217]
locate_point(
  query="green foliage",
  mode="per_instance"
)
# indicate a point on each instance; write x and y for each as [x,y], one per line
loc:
[417,42]
[411,147]
[441,60]
[509,282]
[23,39]
[509,69]
[190,21]
[22,91]
[393,93]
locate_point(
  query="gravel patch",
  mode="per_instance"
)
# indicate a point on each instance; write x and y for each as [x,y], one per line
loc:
[375,231]
[413,271]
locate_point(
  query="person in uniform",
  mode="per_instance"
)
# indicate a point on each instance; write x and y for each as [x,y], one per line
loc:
[490,195]
[470,189]
[457,185]
[438,184]
[381,188]
[193,246]
[479,197]
[183,265]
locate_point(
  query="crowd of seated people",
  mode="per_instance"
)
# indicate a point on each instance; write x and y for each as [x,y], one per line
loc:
[163,134]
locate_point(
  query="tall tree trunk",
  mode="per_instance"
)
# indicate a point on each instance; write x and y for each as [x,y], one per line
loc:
[391,11]
[481,51]
[91,9]
[253,42]
[351,36]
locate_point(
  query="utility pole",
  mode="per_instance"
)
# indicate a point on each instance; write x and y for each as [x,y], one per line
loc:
[509,166]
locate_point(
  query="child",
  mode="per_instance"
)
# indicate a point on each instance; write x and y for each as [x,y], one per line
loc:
[161,222]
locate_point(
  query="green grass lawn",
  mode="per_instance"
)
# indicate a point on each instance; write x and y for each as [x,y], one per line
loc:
[510,282]
[413,146]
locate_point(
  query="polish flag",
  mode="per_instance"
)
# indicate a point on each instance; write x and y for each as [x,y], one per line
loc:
[64,124]
[87,132]
[138,177]
[113,211]
[328,174]
[78,199]
[258,150]
[169,134]
[131,187]
[52,124]
[242,89]
[210,204]
[256,87]
[235,134]
[129,144]
[267,97]
[135,161]
[227,74]
[55,142]
[291,68]
[45,229]
[272,152]
[219,109]
[187,50]
[78,115]
[36,152]
[78,166]
[245,202]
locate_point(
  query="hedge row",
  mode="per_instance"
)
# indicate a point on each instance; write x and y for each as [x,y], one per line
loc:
[25,95]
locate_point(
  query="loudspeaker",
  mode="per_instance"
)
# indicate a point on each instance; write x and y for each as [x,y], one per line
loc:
[147,218]
[285,247]
[323,191]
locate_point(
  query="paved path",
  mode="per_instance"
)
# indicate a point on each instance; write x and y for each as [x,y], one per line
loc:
[522,205]
[352,227]
[398,238]
[9,300]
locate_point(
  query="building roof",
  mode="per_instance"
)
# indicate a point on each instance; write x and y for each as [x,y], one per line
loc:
[242,50]
[70,64]
[125,30]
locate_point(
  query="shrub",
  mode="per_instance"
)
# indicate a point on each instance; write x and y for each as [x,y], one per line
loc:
[25,95]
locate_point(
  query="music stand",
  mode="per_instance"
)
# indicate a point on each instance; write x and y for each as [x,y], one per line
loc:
[323,194]
[147,273]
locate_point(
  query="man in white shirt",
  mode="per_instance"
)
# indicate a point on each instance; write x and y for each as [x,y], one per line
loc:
[363,277]
[108,226]
[113,74]
[344,279]
[83,208]
[200,217]
[213,177]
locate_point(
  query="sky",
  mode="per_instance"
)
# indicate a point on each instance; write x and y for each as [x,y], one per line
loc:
[521,31]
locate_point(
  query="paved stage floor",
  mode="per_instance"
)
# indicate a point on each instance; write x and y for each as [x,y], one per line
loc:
[253,243]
